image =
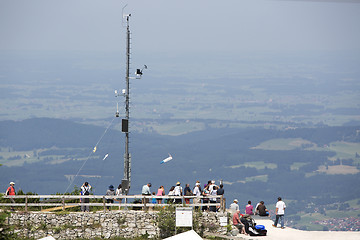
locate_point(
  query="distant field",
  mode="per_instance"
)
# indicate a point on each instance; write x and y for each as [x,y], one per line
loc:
[345,150]
[297,165]
[259,92]
[283,144]
[11,158]
[308,219]
[339,169]
[257,165]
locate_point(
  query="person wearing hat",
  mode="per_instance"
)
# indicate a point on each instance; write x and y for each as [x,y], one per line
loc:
[11,192]
[178,191]
[197,193]
[110,192]
[234,206]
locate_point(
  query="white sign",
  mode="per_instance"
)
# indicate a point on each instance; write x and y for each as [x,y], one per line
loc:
[223,221]
[184,217]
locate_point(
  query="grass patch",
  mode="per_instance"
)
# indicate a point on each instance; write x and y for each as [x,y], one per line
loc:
[297,165]
[339,169]
[344,150]
[258,165]
[284,144]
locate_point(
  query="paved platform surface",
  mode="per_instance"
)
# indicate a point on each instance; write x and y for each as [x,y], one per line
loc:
[295,234]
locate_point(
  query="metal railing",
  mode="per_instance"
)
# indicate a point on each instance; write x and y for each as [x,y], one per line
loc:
[138,201]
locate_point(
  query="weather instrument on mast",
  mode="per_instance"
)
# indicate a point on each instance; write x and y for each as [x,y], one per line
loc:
[126,93]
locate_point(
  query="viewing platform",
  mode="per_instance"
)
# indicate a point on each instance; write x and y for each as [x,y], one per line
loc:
[276,233]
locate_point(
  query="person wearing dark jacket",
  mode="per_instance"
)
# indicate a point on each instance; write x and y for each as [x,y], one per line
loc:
[110,192]
[187,192]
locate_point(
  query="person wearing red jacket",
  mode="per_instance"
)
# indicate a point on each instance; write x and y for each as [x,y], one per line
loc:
[11,192]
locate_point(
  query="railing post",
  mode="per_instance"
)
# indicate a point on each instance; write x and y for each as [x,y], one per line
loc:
[104,203]
[144,201]
[63,203]
[223,204]
[26,204]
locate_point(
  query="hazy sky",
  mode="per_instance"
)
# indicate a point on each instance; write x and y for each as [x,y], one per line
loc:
[191,26]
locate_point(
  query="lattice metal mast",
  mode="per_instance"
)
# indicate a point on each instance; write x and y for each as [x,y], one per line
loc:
[127,156]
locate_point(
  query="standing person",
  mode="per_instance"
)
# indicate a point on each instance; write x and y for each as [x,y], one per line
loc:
[197,193]
[205,193]
[220,192]
[178,191]
[280,212]
[85,191]
[146,192]
[210,184]
[110,192]
[171,193]
[262,209]
[187,192]
[249,208]
[118,193]
[10,191]
[160,192]
[213,192]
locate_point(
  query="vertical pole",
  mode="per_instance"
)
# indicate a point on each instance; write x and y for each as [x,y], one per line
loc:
[104,203]
[26,204]
[127,105]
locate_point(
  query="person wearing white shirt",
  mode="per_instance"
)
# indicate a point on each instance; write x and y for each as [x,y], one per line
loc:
[280,212]
[145,191]
[197,193]
[234,206]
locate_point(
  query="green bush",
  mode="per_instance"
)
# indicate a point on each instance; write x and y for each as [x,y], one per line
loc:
[6,232]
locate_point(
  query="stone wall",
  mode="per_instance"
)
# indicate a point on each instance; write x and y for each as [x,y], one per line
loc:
[128,224]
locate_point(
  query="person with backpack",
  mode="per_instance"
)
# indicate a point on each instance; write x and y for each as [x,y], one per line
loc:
[85,191]
[11,192]
[187,192]
[110,192]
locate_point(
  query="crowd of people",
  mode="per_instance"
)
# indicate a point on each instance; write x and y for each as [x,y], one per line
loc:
[208,192]
[260,209]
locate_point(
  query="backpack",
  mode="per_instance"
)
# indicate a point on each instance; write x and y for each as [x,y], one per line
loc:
[251,228]
[257,232]
[259,227]
[86,191]
[9,190]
